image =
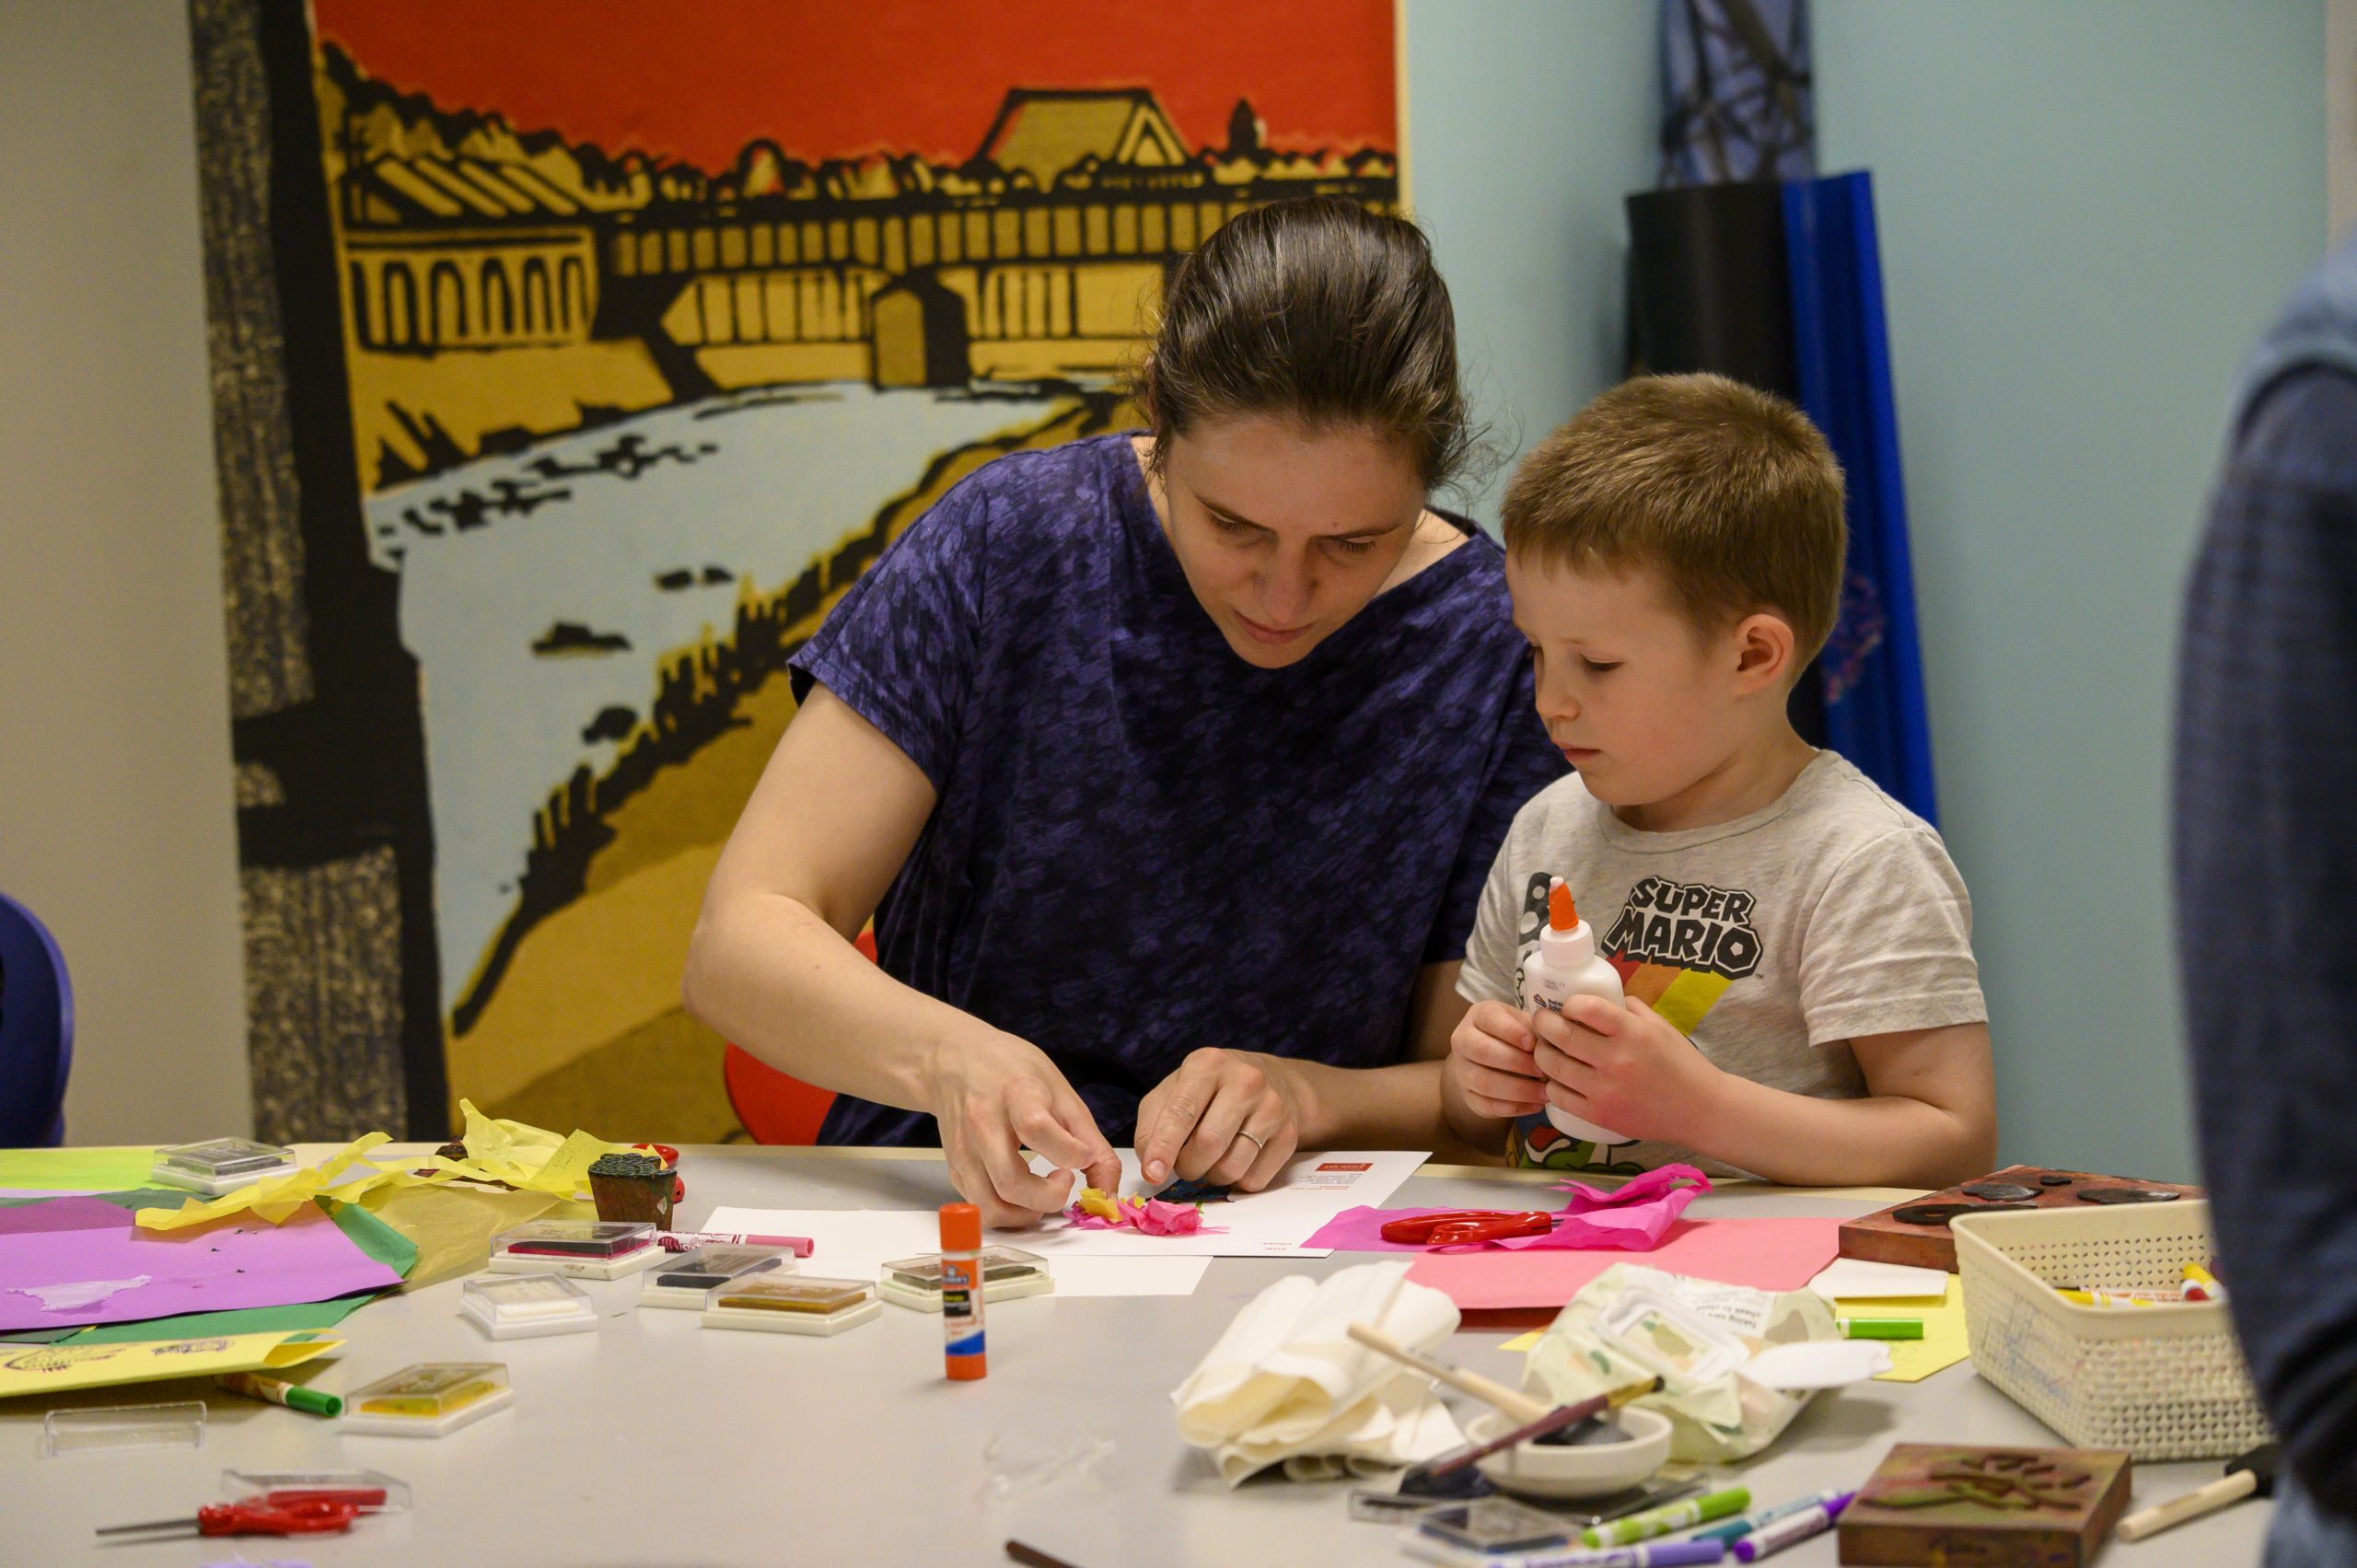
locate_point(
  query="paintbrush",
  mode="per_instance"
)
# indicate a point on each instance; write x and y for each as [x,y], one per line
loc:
[2253,1475]
[1552,1426]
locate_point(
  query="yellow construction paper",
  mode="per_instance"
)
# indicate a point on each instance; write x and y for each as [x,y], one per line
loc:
[498,1150]
[37,1369]
[1912,1361]
[1943,1344]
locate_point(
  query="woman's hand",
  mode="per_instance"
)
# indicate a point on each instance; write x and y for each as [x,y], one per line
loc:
[1228,1118]
[993,1096]
[1491,1065]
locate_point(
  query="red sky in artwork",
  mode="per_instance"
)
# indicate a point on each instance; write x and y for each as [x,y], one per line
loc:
[696,80]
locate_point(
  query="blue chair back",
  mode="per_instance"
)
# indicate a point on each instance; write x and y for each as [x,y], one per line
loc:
[36,1031]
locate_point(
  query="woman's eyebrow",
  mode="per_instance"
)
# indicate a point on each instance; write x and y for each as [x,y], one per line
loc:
[1230,515]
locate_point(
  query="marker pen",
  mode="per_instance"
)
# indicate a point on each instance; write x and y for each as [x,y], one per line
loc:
[961,1291]
[1882,1328]
[689,1240]
[278,1391]
[1658,1554]
[1792,1530]
[1665,1520]
[1750,1522]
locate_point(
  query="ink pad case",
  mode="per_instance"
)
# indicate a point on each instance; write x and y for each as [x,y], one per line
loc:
[689,1279]
[525,1307]
[432,1399]
[239,1484]
[582,1249]
[1007,1273]
[220,1166]
[794,1304]
[1493,1525]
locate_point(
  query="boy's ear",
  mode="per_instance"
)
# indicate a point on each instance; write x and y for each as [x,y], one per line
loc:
[1763,647]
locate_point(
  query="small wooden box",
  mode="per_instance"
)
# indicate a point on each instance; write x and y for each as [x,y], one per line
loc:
[1883,1237]
[1948,1505]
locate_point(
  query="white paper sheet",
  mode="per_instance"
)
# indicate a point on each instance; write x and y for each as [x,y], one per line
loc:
[1311,1189]
[855,1243]
[1855,1279]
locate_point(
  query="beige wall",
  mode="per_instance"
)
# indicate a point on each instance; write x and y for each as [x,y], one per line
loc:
[115,817]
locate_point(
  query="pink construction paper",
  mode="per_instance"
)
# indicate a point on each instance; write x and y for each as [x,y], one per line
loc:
[1629,1219]
[77,1261]
[1778,1254]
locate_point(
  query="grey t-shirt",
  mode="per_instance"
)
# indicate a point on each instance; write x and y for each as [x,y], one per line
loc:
[1772,941]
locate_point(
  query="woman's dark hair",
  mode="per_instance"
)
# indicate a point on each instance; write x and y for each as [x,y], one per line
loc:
[1316,307]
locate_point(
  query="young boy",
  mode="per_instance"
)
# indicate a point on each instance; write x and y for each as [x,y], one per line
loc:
[1803,1004]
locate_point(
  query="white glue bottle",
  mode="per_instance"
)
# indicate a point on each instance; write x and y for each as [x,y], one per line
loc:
[1566,964]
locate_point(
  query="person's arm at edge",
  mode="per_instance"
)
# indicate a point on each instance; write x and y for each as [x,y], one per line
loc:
[2266,770]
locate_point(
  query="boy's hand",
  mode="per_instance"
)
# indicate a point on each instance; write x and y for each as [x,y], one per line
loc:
[1490,1063]
[1626,1068]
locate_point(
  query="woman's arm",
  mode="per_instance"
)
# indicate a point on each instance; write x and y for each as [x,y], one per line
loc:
[771,967]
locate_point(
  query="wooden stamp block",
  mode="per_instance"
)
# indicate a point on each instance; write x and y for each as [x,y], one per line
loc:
[1922,1240]
[1948,1505]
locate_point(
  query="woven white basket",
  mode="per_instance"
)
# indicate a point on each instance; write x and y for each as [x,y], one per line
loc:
[2161,1382]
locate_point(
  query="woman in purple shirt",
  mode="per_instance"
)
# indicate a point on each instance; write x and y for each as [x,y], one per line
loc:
[1169,765]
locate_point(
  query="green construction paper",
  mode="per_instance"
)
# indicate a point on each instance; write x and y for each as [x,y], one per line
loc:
[374,1236]
[75,1170]
[37,1336]
[216,1325]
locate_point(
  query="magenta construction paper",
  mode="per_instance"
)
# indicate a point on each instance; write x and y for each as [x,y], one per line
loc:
[1631,1218]
[75,1260]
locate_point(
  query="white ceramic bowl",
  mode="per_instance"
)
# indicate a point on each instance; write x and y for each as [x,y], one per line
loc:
[1542,1469]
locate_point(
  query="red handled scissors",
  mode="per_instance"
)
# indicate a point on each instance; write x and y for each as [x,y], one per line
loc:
[1466,1227]
[306,1513]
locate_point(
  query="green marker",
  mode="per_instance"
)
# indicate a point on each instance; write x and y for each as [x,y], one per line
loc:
[1664,1520]
[278,1391]
[1883,1328]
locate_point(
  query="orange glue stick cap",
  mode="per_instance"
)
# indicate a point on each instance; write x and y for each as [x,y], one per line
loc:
[961,1228]
[1562,913]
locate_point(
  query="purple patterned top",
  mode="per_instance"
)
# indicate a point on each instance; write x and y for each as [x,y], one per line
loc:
[1143,845]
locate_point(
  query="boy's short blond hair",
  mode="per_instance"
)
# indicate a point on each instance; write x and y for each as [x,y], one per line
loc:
[1728,492]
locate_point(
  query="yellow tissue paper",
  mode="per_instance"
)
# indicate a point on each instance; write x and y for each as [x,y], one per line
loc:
[452,1225]
[344,1175]
[498,1150]
[37,1369]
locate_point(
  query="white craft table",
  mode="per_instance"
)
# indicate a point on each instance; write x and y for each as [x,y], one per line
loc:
[653,1441]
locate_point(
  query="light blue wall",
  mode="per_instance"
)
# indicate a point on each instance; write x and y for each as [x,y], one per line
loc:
[2088,210]
[1527,125]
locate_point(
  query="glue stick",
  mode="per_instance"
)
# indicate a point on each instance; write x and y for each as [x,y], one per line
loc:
[1563,965]
[961,1291]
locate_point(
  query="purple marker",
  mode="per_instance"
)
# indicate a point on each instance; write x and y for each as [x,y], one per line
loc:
[1792,1530]
[1653,1554]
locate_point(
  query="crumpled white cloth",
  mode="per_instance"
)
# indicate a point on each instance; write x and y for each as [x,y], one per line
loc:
[1287,1385]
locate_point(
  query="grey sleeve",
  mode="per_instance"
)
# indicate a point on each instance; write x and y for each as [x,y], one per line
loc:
[1492,961]
[1889,945]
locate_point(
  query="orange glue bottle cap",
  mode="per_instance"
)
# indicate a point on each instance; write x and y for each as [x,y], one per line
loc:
[961,1228]
[1562,913]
